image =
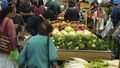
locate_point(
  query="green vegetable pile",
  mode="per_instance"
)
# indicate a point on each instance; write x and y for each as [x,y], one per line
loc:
[76,64]
[98,65]
[79,40]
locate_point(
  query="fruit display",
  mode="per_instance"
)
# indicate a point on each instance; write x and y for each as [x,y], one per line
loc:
[61,16]
[78,37]
[85,5]
[61,25]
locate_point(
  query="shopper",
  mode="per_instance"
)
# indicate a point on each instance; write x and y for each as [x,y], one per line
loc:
[26,10]
[8,29]
[35,52]
[54,7]
[39,9]
[71,13]
[18,20]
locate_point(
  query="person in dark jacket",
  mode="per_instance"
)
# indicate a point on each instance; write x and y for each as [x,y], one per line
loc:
[26,10]
[71,13]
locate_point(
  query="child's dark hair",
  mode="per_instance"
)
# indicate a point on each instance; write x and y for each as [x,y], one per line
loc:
[37,25]
[45,28]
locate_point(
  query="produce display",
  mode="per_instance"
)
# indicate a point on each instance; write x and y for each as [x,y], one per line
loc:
[86,65]
[61,16]
[80,63]
[76,36]
[61,25]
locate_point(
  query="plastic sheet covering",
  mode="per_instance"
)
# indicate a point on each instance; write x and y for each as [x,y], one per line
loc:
[108,26]
[117,32]
[5,62]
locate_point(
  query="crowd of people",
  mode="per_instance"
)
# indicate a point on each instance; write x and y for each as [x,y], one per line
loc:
[34,16]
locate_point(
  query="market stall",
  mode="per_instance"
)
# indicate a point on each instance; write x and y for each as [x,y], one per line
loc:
[74,39]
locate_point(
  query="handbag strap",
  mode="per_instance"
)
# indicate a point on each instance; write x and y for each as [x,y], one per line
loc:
[48,38]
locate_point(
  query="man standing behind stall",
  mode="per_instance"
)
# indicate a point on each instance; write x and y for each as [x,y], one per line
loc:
[54,7]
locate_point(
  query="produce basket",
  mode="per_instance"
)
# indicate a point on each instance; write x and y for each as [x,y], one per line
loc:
[89,55]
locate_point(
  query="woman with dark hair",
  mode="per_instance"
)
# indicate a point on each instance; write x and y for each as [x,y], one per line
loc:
[39,9]
[36,51]
[8,29]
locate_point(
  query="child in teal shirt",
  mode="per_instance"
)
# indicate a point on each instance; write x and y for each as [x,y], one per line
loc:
[35,53]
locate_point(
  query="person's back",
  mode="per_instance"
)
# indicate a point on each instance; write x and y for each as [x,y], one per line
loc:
[8,29]
[71,13]
[35,52]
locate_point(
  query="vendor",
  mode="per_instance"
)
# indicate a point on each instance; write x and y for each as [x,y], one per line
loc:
[71,13]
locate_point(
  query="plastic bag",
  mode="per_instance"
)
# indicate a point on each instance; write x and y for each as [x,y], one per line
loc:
[14,55]
[117,32]
[5,62]
[108,26]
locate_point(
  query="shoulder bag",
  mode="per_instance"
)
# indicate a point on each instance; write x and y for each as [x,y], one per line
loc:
[5,43]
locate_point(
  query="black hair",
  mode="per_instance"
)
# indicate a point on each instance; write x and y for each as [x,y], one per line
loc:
[40,2]
[71,3]
[37,25]
[45,28]
[5,12]
[33,23]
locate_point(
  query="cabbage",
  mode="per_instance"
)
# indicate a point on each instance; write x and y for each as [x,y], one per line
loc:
[72,33]
[79,33]
[58,36]
[55,31]
[64,32]
[69,29]
[86,32]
